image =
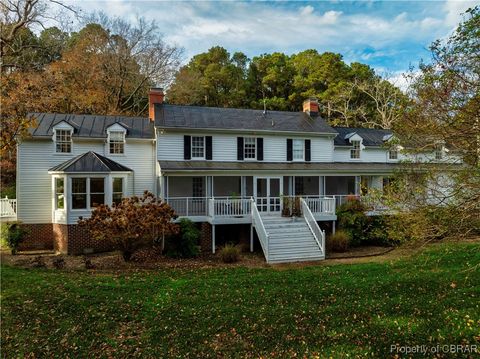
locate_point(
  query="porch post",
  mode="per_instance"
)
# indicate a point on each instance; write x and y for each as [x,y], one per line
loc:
[243,186]
[251,237]
[213,238]
[358,182]
[321,186]
[333,227]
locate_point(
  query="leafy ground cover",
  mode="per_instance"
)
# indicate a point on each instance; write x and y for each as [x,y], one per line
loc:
[322,310]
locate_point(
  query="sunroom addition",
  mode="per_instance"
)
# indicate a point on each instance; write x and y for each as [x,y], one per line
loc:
[83,183]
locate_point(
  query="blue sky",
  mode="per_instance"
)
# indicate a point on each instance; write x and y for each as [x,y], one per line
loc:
[390,36]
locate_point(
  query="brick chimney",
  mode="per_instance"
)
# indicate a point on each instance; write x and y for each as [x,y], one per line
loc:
[310,106]
[155,95]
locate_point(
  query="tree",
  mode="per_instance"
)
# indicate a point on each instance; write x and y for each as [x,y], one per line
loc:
[131,224]
[443,114]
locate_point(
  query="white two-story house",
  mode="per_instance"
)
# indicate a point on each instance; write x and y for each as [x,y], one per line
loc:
[232,170]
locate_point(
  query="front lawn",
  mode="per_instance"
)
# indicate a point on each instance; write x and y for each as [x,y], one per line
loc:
[360,309]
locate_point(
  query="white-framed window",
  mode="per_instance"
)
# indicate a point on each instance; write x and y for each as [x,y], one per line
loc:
[79,193]
[298,150]
[63,141]
[59,193]
[198,147]
[393,154]
[439,153]
[117,190]
[97,191]
[116,142]
[355,150]
[249,148]
[87,192]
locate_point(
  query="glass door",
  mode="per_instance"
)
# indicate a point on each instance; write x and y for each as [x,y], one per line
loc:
[268,192]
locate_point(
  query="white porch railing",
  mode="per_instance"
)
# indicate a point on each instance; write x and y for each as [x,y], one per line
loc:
[189,206]
[260,228]
[321,204]
[8,207]
[229,207]
[313,225]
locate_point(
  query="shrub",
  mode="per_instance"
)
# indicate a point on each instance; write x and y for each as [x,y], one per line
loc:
[185,243]
[14,235]
[230,254]
[338,242]
[59,263]
[352,219]
[132,223]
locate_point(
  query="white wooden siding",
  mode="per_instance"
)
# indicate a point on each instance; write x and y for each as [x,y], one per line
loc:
[34,184]
[368,154]
[170,147]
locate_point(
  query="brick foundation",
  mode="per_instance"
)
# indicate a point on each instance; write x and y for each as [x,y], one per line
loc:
[37,236]
[63,238]
[206,237]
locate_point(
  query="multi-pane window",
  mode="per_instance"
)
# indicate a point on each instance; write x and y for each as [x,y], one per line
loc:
[198,147]
[355,151]
[249,148]
[439,153]
[59,193]
[63,141]
[298,150]
[117,190]
[79,193]
[97,191]
[393,154]
[116,141]
[197,186]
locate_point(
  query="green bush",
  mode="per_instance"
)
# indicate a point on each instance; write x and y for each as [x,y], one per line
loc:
[14,235]
[353,220]
[230,253]
[338,242]
[186,243]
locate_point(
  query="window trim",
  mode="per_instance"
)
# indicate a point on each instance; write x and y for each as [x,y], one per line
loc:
[109,142]
[56,194]
[356,150]
[88,192]
[390,152]
[302,141]
[55,133]
[123,187]
[191,148]
[254,148]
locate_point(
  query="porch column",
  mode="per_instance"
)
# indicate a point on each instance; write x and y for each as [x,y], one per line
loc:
[333,227]
[209,187]
[358,184]
[213,238]
[251,237]
[243,186]
[321,185]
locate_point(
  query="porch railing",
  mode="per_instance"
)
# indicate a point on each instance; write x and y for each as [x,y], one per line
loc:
[313,225]
[321,204]
[189,206]
[229,207]
[260,228]
[8,207]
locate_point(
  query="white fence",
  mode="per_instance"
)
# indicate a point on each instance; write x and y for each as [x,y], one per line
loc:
[8,207]
[313,225]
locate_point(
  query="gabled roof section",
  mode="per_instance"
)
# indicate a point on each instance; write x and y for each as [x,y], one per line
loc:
[197,117]
[371,137]
[91,126]
[89,162]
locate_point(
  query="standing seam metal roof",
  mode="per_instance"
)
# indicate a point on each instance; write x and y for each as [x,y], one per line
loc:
[89,162]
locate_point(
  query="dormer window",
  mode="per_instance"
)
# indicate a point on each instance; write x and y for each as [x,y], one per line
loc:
[355,150]
[439,153]
[393,154]
[63,141]
[116,142]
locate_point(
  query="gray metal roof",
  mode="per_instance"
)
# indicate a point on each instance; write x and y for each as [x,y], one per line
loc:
[371,136]
[91,126]
[89,162]
[187,166]
[197,117]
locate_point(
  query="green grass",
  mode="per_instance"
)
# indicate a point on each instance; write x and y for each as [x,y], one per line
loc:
[431,298]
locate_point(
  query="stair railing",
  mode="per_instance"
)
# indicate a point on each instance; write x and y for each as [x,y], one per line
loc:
[260,228]
[318,234]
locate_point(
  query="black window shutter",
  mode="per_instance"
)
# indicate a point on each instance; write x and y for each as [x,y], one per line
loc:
[187,147]
[240,148]
[259,149]
[289,149]
[208,147]
[308,150]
